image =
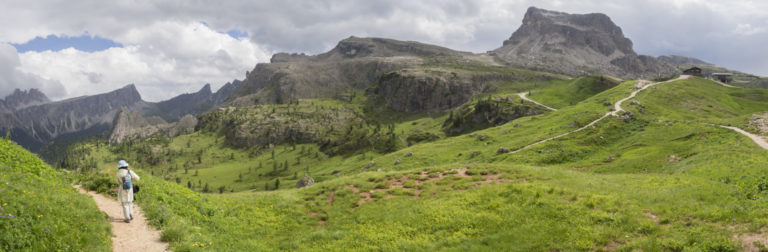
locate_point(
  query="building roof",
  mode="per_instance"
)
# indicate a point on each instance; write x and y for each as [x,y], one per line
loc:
[724,74]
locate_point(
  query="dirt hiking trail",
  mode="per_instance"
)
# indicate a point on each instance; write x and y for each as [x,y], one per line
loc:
[639,86]
[134,236]
[524,97]
[759,140]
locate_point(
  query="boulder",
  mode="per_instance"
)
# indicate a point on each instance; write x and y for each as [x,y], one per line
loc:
[305,181]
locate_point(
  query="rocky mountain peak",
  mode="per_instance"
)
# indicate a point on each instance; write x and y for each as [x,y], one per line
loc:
[576,44]
[128,94]
[206,90]
[24,98]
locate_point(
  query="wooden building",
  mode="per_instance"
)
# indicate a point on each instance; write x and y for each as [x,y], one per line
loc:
[695,71]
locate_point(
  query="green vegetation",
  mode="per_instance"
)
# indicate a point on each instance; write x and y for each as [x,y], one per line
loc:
[568,93]
[662,177]
[40,211]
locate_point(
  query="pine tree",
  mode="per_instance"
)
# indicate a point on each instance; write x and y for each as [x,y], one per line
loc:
[206,189]
[189,184]
[277,183]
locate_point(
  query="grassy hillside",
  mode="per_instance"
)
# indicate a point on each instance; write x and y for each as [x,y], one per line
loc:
[663,178]
[40,211]
[568,93]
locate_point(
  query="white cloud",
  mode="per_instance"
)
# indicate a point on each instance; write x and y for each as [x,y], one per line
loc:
[168,51]
[12,78]
[163,60]
[747,30]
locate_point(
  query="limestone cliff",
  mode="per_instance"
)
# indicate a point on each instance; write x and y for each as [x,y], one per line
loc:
[577,44]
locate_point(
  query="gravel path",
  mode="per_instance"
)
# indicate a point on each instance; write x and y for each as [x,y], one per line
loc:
[524,97]
[643,85]
[759,140]
[134,236]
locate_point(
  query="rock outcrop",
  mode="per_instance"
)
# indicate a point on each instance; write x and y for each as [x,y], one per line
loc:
[577,44]
[488,112]
[437,89]
[131,125]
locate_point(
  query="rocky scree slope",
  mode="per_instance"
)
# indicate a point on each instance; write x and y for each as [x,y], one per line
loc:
[577,44]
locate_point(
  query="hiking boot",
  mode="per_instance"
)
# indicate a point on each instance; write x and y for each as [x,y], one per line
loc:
[131,216]
[127,220]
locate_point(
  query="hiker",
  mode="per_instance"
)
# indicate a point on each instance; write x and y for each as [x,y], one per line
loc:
[125,180]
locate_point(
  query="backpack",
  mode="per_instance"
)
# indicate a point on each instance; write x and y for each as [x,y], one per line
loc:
[127,181]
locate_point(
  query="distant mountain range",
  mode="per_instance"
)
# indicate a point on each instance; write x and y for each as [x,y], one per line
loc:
[34,121]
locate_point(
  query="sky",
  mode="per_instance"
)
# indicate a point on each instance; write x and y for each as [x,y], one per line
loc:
[166,48]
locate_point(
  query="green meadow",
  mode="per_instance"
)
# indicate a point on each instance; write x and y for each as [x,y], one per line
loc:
[40,211]
[665,178]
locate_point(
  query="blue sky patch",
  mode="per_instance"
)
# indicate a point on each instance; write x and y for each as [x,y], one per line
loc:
[84,42]
[237,34]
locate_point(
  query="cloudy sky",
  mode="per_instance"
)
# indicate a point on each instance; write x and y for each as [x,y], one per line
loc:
[74,48]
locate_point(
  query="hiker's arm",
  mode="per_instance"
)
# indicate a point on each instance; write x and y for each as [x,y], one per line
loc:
[134,176]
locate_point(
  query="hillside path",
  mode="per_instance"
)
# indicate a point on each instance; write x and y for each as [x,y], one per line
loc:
[134,236]
[759,140]
[640,86]
[524,97]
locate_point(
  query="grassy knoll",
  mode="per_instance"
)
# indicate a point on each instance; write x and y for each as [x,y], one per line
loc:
[568,93]
[40,211]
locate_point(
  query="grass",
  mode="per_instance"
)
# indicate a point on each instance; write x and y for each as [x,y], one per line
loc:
[40,211]
[568,93]
[665,179]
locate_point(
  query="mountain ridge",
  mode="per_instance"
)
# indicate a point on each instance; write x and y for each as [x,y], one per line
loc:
[577,44]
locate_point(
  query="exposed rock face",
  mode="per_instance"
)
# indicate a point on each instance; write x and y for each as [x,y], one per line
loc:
[577,44]
[487,113]
[354,64]
[758,123]
[22,99]
[36,125]
[678,60]
[131,125]
[437,89]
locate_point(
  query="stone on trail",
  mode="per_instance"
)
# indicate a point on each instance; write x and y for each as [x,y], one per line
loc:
[502,150]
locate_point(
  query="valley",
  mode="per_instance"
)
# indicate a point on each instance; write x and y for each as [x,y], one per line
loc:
[562,139]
